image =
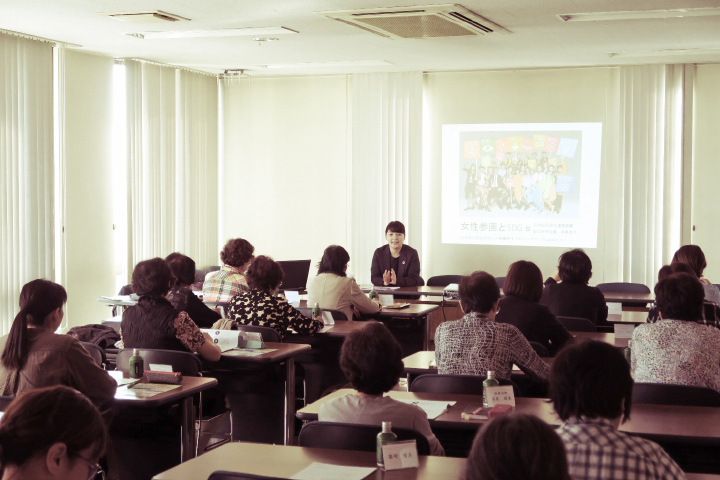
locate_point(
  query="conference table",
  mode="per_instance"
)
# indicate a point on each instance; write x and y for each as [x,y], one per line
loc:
[285,461]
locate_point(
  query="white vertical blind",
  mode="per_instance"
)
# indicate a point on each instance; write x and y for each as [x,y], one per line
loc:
[645,160]
[386,163]
[26,168]
[172,151]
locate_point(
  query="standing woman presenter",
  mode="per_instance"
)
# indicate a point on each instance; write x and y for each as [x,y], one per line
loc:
[396,264]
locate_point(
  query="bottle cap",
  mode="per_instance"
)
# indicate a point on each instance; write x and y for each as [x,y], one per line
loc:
[136,351]
[386,426]
[316,305]
[491,374]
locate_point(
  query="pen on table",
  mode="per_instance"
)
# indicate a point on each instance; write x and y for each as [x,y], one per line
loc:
[132,384]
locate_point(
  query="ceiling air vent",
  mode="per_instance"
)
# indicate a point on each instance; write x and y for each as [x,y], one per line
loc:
[157,16]
[429,21]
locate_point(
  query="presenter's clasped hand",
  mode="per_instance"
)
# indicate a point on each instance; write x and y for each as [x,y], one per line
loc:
[387,277]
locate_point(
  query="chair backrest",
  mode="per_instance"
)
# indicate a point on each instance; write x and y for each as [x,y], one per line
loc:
[443,280]
[5,401]
[540,349]
[421,282]
[268,334]
[186,363]
[224,475]
[349,436]
[577,324]
[626,287]
[500,281]
[336,314]
[460,384]
[97,353]
[666,394]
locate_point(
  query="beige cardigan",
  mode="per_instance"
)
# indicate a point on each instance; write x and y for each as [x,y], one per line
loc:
[339,293]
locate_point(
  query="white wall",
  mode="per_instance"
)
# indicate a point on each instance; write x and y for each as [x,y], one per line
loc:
[285,165]
[706,167]
[89,213]
[511,96]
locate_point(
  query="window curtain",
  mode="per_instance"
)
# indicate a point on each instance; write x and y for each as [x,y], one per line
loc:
[26,169]
[172,154]
[643,172]
[386,163]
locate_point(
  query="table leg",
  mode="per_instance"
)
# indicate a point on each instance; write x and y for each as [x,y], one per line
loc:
[289,401]
[187,430]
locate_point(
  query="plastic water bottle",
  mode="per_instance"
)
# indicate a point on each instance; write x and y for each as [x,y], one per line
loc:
[316,311]
[490,381]
[386,436]
[137,365]
[373,294]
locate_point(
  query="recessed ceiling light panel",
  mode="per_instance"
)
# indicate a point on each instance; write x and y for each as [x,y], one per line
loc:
[224,32]
[639,14]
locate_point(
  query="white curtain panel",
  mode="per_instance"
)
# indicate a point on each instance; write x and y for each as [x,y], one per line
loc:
[386,163]
[26,169]
[642,175]
[172,151]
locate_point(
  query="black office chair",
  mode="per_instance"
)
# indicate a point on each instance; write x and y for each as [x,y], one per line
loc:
[349,436]
[443,280]
[336,314]
[421,282]
[540,349]
[577,324]
[97,353]
[268,334]
[459,384]
[667,394]
[500,281]
[224,475]
[627,287]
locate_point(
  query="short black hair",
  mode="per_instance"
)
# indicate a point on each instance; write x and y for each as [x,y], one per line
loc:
[524,280]
[692,256]
[151,277]
[182,268]
[396,227]
[517,446]
[680,296]
[264,274]
[667,270]
[371,359]
[478,292]
[237,252]
[575,266]
[591,379]
[334,260]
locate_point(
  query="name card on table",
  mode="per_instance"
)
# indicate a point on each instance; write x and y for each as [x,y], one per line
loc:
[614,311]
[293,297]
[398,455]
[159,367]
[624,330]
[502,394]
[386,300]
[225,339]
[327,318]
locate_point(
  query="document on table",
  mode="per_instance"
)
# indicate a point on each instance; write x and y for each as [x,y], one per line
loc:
[433,409]
[146,390]
[325,471]
[248,352]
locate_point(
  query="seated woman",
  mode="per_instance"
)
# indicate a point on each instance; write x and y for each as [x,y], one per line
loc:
[371,359]
[693,257]
[51,433]
[34,356]
[523,288]
[182,297]
[711,311]
[154,322]
[222,285]
[395,264]
[517,446]
[332,289]
[677,349]
[261,307]
[573,297]
[476,343]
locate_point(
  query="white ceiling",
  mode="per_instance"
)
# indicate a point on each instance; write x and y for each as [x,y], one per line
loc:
[538,39]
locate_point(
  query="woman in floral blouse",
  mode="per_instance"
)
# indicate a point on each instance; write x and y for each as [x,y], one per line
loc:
[259,307]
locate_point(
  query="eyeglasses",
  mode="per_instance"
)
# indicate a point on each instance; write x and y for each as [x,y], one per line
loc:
[93,469]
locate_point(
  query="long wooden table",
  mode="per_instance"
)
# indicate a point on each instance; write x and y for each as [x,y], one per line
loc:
[285,461]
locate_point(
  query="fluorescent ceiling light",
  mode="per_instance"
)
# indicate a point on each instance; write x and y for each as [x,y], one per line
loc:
[225,32]
[639,14]
[666,52]
[358,63]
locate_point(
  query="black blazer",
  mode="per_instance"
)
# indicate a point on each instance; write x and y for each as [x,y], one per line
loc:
[408,274]
[566,299]
[535,321]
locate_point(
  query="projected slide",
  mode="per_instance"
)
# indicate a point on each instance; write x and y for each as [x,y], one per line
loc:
[534,184]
